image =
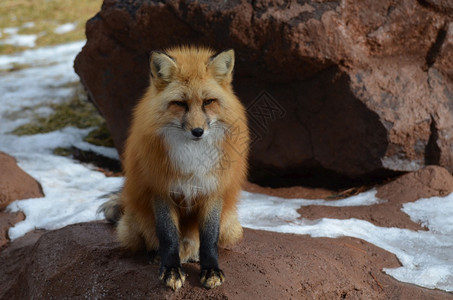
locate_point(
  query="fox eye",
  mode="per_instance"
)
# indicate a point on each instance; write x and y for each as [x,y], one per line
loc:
[179,103]
[208,101]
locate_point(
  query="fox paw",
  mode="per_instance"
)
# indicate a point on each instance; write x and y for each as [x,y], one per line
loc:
[210,278]
[173,277]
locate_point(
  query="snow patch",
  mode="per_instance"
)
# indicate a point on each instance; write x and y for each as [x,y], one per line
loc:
[20,40]
[28,25]
[65,28]
[72,193]
[16,39]
[425,255]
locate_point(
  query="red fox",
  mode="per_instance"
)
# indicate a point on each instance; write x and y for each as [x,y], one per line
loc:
[185,162]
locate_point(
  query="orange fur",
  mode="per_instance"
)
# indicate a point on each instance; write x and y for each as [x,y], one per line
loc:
[149,170]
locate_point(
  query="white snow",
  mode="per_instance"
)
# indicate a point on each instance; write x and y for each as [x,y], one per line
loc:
[268,213]
[24,40]
[11,30]
[28,25]
[72,193]
[65,28]
[46,56]
[434,213]
[16,39]
[72,189]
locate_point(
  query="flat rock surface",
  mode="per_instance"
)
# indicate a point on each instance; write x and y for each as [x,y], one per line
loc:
[85,261]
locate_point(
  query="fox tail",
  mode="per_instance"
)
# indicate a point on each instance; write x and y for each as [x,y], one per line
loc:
[112,208]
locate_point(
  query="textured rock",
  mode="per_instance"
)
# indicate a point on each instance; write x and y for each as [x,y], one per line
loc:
[440,5]
[85,261]
[15,184]
[355,88]
[428,182]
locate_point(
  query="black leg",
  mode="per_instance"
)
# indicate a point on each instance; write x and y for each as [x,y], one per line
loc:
[153,257]
[170,268]
[211,276]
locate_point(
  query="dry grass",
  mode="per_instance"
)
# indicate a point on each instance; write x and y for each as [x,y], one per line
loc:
[77,112]
[41,18]
[46,15]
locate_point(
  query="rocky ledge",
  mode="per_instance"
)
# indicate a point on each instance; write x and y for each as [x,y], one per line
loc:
[85,261]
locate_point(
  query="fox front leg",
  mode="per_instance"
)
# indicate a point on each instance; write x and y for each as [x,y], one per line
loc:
[167,233]
[210,276]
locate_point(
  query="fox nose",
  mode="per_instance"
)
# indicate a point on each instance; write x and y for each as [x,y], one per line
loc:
[197,132]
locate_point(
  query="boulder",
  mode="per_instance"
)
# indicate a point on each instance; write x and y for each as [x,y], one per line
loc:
[15,184]
[358,89]
[85,261]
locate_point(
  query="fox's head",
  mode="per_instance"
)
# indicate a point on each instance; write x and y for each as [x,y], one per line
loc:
[190,92]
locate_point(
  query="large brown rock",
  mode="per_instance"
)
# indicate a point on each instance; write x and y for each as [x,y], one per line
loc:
[84,261]
[355,88]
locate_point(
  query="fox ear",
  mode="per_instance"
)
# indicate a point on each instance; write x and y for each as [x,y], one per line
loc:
[162,66]
[222,65]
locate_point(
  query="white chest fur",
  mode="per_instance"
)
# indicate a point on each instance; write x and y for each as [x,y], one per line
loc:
[195,160]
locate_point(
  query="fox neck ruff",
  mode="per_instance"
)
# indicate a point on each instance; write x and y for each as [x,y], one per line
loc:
[197,161]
